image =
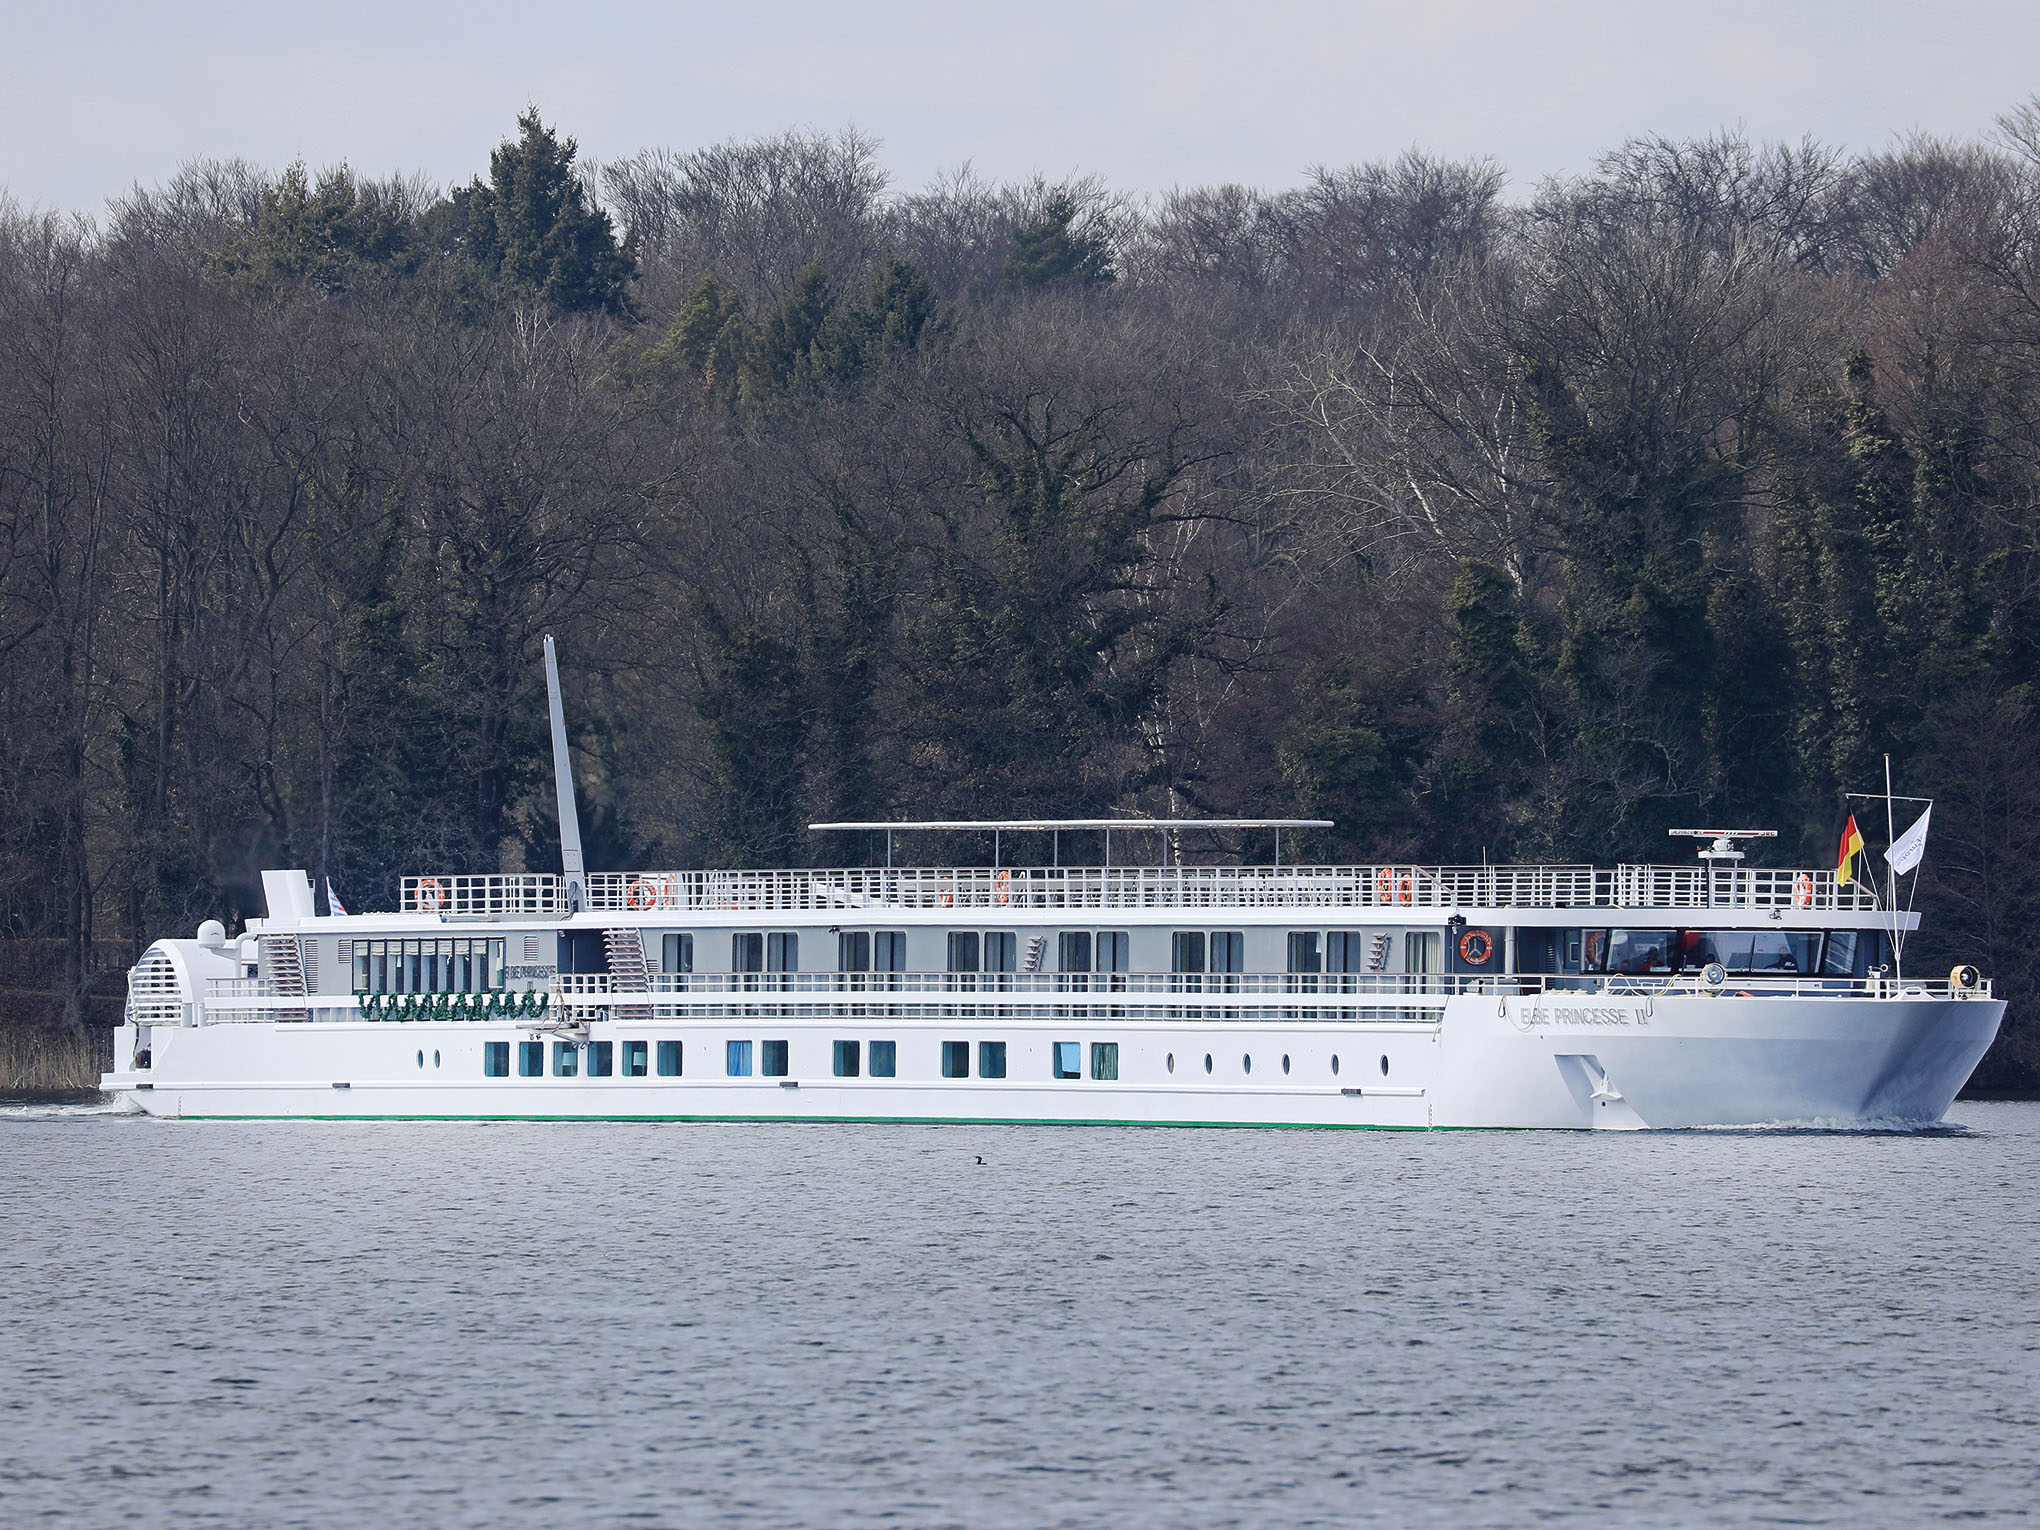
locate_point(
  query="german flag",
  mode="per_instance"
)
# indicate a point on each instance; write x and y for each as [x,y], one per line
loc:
[1845,859]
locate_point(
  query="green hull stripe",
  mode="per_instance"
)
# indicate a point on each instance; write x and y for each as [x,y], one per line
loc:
[1327,1126]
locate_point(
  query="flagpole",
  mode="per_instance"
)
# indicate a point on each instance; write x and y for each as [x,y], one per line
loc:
[1890,837]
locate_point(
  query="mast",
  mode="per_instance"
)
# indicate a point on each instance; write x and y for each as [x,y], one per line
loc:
[1890,838]
[563,784]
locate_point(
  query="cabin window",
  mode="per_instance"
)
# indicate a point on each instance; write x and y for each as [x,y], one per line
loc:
[1423,951]
[1186,951]
[991,1059]
[853,951]
[747,952]
[566,1059]
[737,1059]
[1112,949]
[495,1059]
[885,1057]
[1073,951]
[427,966]
[1228,951]
[1105,1060]
[676,952]
[772,1059]
[669,1059]
[956,1059]
[1637,952]
[1067,1059]
[963,951]
[1305,954]
[1345,951]
[1002,951]
[782,952]
[634,1058]
[601,1057]
[847,1059]
[889,951]
[530,1059]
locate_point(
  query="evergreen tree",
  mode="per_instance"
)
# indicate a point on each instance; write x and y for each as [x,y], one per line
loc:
[1053,252]
[531,226]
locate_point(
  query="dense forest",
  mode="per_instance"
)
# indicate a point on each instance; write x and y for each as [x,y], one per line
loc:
[1490,525]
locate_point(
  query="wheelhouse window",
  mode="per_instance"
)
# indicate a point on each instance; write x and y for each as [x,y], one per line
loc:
[991,1059]
[847,1059]
[676,952]
[669,1059]
[885,1059]
[1067,1060]
[1638,953]
[772,1059]
[956,1059]
[1776,953]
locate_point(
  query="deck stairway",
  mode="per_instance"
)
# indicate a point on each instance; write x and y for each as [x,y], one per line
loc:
[280,957]
[627,970]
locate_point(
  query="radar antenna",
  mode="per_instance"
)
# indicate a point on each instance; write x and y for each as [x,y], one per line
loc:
[1723,848]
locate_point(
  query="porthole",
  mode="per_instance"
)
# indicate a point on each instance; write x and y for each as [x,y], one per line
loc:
[1384,1067]
[1172,1062]
[1285,1062]
[1247,1063]
[1335,1062]
[435,1057]
[421,1059]
[1207,1062]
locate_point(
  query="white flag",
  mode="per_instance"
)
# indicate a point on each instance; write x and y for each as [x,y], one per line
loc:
[1906,850]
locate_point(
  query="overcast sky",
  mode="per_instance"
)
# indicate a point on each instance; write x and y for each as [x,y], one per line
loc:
[95,96]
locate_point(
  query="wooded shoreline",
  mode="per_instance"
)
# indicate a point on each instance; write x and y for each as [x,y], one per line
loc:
[1493,523]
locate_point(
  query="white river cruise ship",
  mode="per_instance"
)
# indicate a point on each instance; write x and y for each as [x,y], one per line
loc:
[1351,996]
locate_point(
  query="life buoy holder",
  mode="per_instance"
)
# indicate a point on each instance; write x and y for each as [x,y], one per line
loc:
[1405,888]
[1002,886]
[1476,948]
[1802,890]
[431,894]
[639,894]
[1384,886]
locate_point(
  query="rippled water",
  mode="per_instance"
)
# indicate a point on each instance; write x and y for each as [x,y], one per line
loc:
[280,1324]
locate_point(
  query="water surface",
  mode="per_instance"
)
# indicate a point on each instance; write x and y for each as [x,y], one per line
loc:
[361,1324]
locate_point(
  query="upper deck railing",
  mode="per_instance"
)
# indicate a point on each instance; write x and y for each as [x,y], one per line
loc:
[833,890]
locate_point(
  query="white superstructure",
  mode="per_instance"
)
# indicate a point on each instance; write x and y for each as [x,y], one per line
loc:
[1378,996]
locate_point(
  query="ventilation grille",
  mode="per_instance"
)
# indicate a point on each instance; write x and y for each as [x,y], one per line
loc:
[155,996]
[531,948]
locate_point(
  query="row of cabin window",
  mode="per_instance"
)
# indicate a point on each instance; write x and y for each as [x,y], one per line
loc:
[849,1060]
[1754,953]
[428,966]
[972,951]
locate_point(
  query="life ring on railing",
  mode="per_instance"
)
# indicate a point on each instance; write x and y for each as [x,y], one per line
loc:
[1802,890]
[1405,888]
[1476,941]
[431,894]
[1384,886]
[949,897]
[1002,886]
[639,894]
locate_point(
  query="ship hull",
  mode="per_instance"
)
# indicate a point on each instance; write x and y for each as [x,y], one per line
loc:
[1556,1060]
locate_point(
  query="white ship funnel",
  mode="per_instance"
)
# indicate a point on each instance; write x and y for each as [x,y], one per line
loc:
[563,784]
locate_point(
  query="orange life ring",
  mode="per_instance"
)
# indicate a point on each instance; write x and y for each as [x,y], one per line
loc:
[1003,885]
[1384,886]
[949,897]
[1486,943]
[639,894]
[1405,888]
[431,894]
[1802,891]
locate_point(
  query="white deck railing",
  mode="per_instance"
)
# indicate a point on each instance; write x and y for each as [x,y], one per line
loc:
[1156,887]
